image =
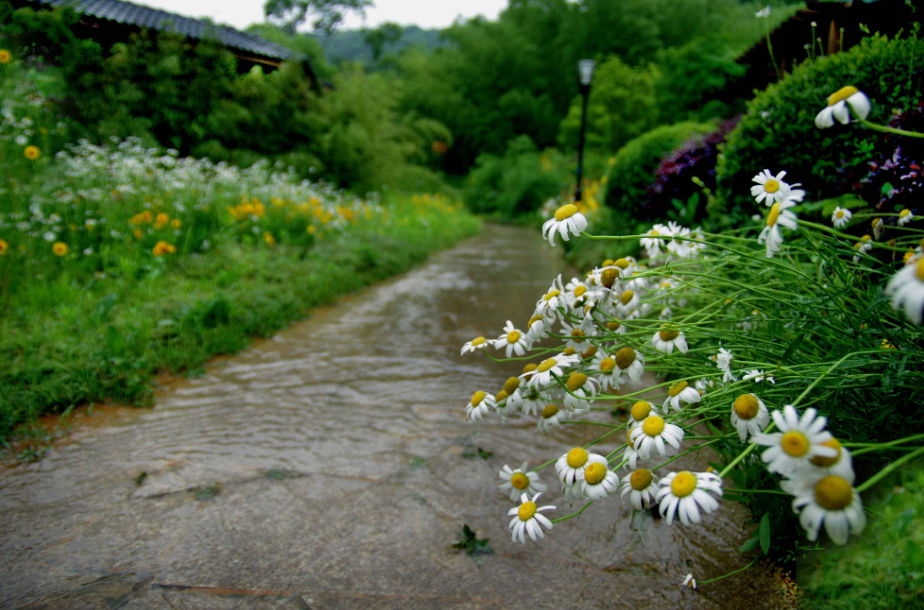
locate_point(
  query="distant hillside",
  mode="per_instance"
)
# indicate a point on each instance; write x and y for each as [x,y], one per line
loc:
[349,44]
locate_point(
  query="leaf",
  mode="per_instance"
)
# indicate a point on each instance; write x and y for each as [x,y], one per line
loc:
[765,533]
[749,545]
[792,347]
[104,306]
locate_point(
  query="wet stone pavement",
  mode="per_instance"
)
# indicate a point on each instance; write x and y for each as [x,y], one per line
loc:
[326,469]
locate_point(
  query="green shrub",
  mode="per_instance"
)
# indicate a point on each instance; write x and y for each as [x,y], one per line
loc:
[634,166]
[517,183]
[778,132]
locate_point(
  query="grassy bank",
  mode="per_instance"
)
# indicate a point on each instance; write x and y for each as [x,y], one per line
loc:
[66,341]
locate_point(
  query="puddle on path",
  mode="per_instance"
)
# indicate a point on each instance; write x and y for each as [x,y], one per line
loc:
[325,469]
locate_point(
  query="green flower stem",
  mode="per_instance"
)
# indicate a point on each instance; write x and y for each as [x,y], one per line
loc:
[820,227]
[706,582]
[757,491]
[867,447]
[560,519]
[882,473]
[900,132]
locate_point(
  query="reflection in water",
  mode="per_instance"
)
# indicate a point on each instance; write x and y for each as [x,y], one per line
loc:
[325,468]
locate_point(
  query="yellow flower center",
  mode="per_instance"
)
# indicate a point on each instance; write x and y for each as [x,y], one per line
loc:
[640,479]
[569,351]
[608,277]
[565,211]
[552,294]
[904,213]
[683,484]
[919,269]
[607,364]
[839,213]
[529,368]
[613,326]
[625,357]
[502,395]
[546,365]
[746,406]
[478,341]
[577,332]
[576,381]
[794,443]
[626,297]
[825,462]
[595,473]
[668,335]
[621,263]
[527,511]
[641,410]
[774,214]
[519,480]
[511,385]
[771,186]
[677,388]
[477,397]
[533,320]
[590,352]
[580,290]
[653,425]
[549,411]
[577,457]
[842,94]
[833,493]
[513,336]
[607,263]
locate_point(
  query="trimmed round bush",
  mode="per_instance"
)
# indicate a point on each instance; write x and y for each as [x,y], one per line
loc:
[778,131]
[635,164]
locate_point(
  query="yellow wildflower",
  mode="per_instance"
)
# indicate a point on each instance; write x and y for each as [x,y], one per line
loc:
[60,248]
[31,152]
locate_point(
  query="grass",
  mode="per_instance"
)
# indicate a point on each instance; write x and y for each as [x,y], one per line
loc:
[884,570]
[69,341]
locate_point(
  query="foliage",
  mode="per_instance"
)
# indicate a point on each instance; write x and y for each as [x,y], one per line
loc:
[621,106]
[306,45]
[470,543]
[895,176]
[634,166]
[885,569]
[689,79]
[352,46]
[685,175]
[328,14]
[517,183]
[779,130]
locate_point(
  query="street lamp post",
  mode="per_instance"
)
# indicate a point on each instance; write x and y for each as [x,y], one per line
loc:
[585,75]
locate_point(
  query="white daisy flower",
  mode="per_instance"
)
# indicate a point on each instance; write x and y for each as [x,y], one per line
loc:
[574,462]
[769,187]
[527,517]
[597,481]
[841,217]
[604,368]
[640,412]
[537,328]
[531,401]
[642,487]
[479,406]
[631,453]
[615,326]
[761,14]
[841,104]
[829,500]
[577,336]
[513,340]
[550,417]
[508,408]
[520,481]
[667,338]
[904,217]
[723,361]
[630,362]
[685,493]
[688,580]
[547,306]
[907,290]
[862,247]
[798,441]
[580,385]
[652,241]
[551,366]
[679,393]
[628,302]
[840,465]
[779,216]
[878,227]
[749,414]
[679,247]
[757,376]
[567,220]
[474,345]
[652,434]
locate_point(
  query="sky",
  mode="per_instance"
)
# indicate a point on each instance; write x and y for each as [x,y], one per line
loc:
[425,13]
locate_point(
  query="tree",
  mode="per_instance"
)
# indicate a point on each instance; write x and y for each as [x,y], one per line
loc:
[377,38]
[329,14]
